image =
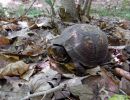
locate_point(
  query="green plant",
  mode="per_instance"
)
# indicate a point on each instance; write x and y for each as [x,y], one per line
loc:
[2,11]
[122,12]
[125,4]
[51,4]
[34,12]
[119,97]
[20,11]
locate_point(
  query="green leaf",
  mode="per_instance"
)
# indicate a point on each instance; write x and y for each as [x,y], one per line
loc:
[49,2]
[20,10]
[34,13]
[119,97]
[53,2]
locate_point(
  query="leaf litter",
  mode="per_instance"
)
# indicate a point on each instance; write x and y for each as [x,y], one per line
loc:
[25,68]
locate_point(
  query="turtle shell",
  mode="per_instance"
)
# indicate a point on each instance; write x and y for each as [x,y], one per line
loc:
[84,43]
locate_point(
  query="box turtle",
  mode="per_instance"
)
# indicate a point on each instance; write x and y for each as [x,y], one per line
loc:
[83,43]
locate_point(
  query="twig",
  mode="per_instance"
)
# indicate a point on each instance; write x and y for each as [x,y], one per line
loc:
[17,19]
[113,91]
[29,7]
[4,91]
[45,92]
[43,97]
[57,88]
[117,47]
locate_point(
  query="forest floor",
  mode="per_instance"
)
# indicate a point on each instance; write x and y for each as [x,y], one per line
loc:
[27,70]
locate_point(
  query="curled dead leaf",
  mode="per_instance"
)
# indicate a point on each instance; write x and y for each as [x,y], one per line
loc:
[125,24]
[43,22]
[6,59]
[10,27]
[123,73]
[122,34]
[33,50]
[14,69]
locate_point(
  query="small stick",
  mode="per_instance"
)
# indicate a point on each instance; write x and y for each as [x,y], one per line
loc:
[57,88]
[117,47]
[43,97]
[45,92]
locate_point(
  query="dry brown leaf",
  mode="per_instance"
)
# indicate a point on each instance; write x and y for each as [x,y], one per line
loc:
[32,25]
[10,27]
[83,91]
[4,40]
[9,58]
[32,50]
[43,22]
[125,85]
[21,33]
[6,59]
[14,69]
[122,34]
[100,86]
[123,73]
[125,24]
[85,19]
[40,83]
[26,76]
[109,77]
[9,20]
[119,36]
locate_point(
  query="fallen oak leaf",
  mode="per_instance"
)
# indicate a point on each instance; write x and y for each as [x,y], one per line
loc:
[14,69]
[66,84]
[6,59]
[16,58]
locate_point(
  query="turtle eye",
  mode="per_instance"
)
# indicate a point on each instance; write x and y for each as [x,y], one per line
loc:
[58,53]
